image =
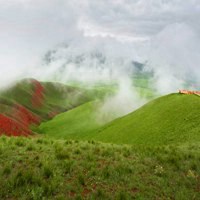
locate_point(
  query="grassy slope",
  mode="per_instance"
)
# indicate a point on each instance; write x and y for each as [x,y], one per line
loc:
[42,168]
[57,97]
[170,119]
[76,123]
[49,169]
[80,122]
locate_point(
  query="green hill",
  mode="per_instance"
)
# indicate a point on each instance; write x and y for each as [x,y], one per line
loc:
[57,97]
[29,102]
[78,123]
[162,161]
[169,119]
[75,123]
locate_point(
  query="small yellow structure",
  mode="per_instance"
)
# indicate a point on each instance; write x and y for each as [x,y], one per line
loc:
[189,92]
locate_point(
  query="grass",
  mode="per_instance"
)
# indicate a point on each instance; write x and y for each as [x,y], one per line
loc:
[75,123]
[152,153]
[66,169]
[57,98]
[81,121]
[169,119]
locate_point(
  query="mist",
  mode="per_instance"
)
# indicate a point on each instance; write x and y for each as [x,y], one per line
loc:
[94,41]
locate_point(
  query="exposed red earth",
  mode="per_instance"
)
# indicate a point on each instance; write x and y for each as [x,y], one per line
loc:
[25,116]
[38,94]
[29,102]
[11,127]
[21,118]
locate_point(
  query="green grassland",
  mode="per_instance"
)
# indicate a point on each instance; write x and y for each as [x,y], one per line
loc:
[76,123]
[82,121]
[169,119]
[42,168]
[57,98]
[151,153]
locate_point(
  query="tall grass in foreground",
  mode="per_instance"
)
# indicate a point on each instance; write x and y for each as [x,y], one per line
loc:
[42,168]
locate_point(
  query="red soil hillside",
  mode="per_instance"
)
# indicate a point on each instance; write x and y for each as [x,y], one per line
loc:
[38,94]
[25,116]
[11,127]
[21,118]
[30,102]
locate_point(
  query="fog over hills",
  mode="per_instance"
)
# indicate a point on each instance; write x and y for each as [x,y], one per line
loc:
[94,86]
[92,40]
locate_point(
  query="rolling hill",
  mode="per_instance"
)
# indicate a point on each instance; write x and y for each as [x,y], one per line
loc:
[30,102]
[75,123]
[169,119]
[161,160]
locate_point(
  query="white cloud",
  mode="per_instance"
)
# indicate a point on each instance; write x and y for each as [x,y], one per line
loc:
[166,33]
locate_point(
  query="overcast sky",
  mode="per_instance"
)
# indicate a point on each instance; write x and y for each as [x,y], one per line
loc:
[166,33]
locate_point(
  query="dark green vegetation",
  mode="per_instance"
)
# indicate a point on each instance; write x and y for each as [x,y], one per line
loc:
[42,168]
